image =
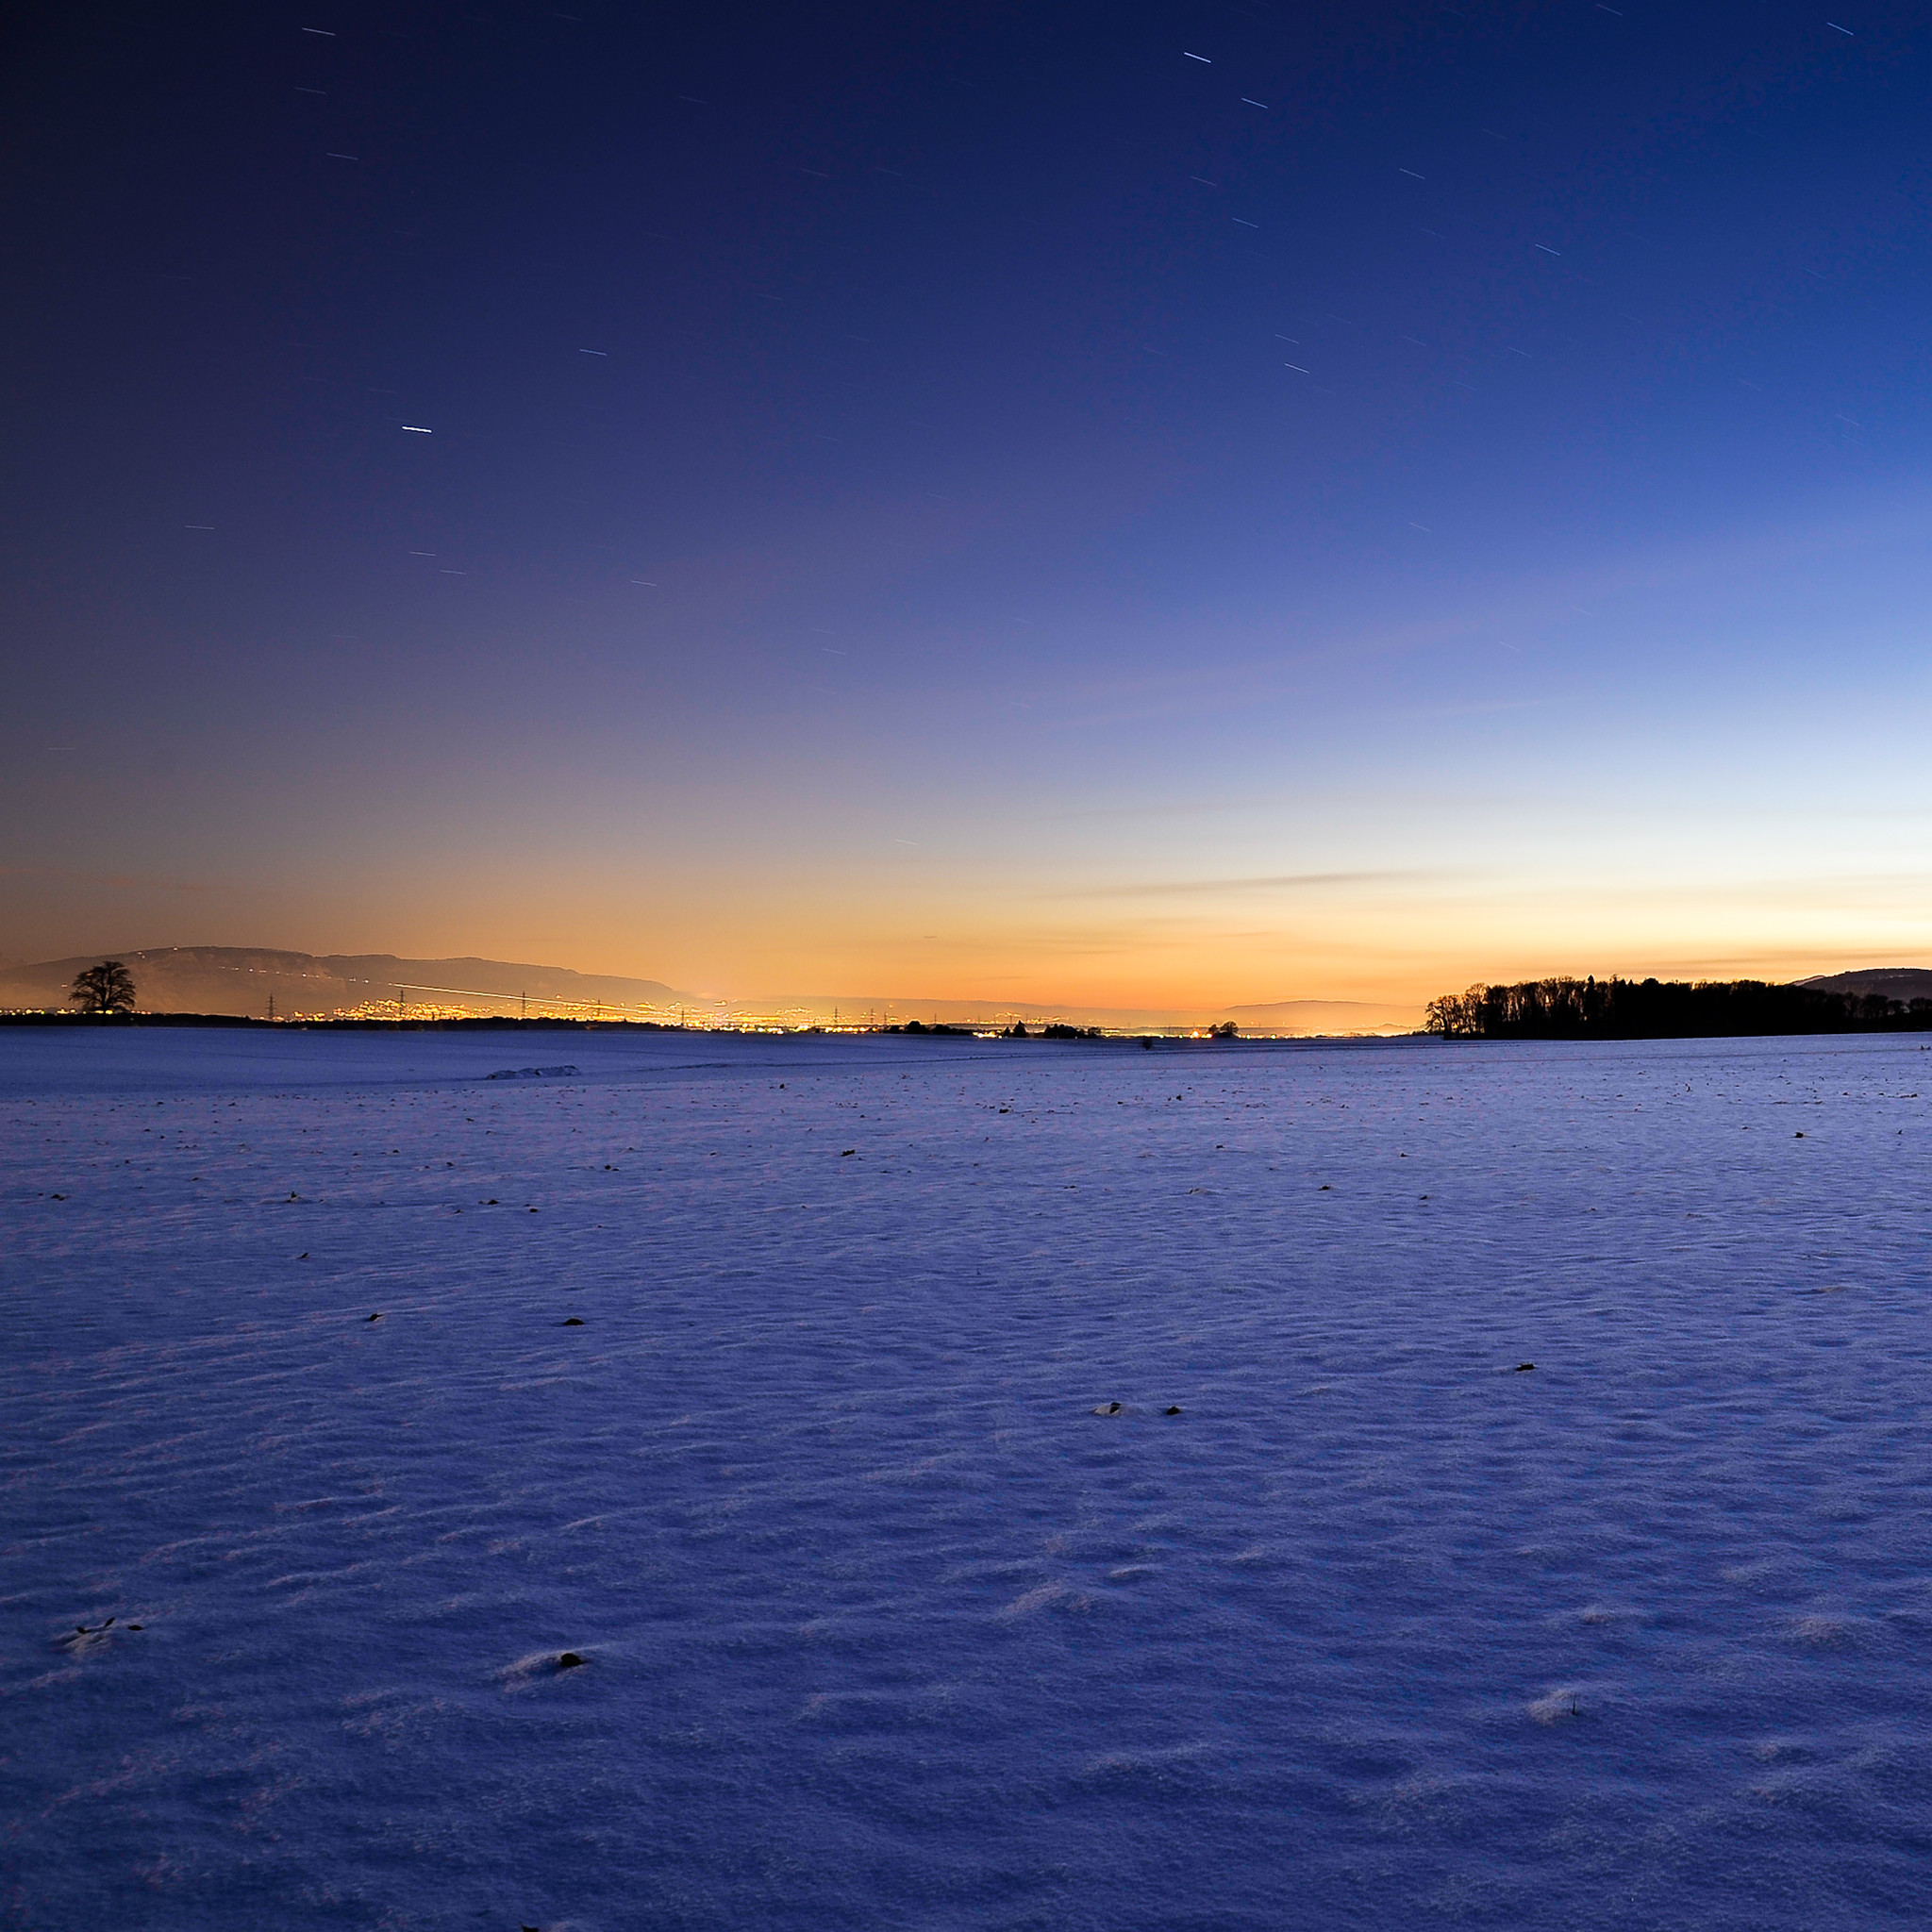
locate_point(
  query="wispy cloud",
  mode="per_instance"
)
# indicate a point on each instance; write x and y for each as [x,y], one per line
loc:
[1273,882]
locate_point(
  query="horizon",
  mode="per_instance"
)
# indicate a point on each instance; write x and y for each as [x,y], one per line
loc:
[190,981]
[1120,511]
[271,983]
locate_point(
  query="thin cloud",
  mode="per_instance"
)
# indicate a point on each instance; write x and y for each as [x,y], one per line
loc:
[1275,882]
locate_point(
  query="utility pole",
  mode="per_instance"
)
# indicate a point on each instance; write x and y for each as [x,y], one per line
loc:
[402,1004]
[523,1005]
[271,1005]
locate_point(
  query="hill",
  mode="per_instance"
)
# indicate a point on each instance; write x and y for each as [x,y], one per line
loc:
[1905,983]
[241,979]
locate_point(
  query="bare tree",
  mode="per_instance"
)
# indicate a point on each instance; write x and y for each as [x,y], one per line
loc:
[107,987]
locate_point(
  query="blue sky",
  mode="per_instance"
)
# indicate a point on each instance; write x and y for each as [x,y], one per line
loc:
[1110,504]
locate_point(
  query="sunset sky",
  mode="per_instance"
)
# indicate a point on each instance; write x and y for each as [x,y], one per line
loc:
[1124,505]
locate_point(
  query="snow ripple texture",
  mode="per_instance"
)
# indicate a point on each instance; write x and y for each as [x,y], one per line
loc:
[881,1623]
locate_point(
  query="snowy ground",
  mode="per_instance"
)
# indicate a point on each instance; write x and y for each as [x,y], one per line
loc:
[883,1626]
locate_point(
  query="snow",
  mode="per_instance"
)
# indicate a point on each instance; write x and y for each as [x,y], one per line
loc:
[882,1623]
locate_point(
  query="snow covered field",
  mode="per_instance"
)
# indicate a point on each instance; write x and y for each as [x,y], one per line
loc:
[883,1626]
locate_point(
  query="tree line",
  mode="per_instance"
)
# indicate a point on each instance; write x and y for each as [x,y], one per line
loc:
[1593,1008]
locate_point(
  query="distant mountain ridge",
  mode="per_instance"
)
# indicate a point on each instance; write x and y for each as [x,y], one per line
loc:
[241,979]
[1905,983]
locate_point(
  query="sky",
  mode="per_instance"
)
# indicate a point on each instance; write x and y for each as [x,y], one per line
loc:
[1128,504]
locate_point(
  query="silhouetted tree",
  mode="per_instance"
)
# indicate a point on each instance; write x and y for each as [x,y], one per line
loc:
[107,987]
[1562,1009]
